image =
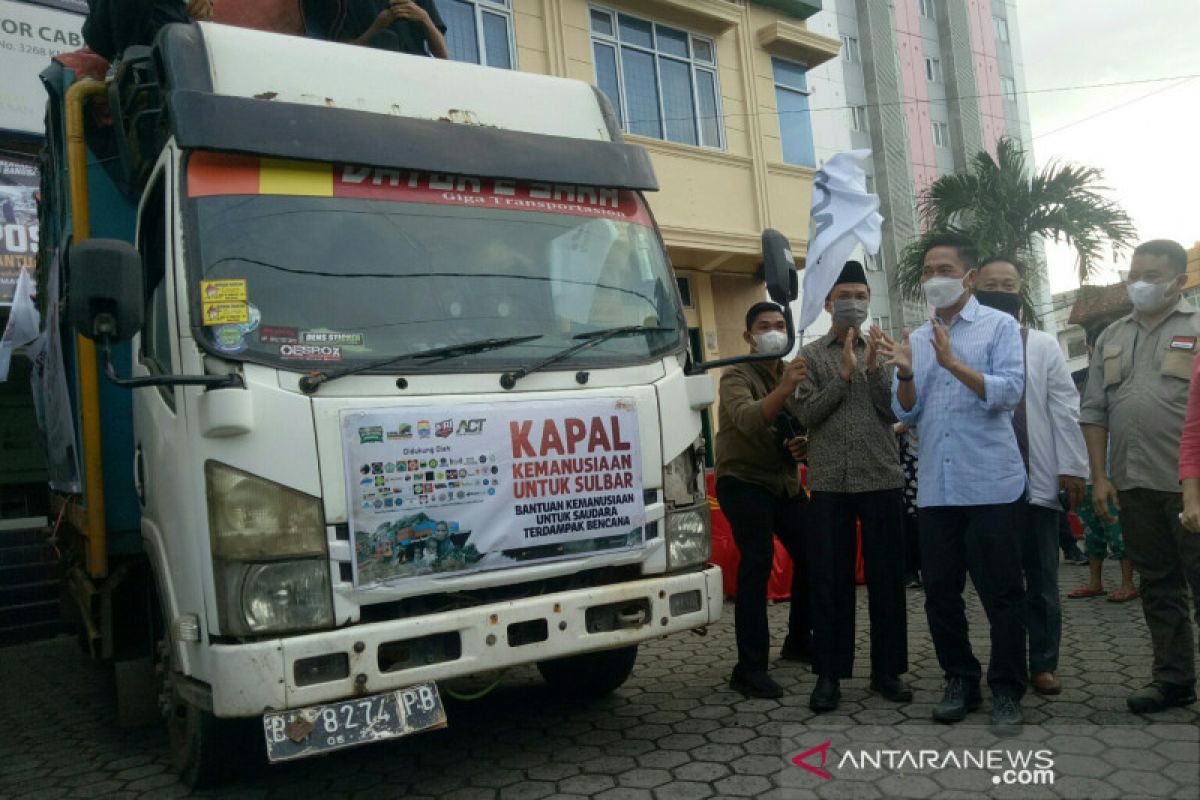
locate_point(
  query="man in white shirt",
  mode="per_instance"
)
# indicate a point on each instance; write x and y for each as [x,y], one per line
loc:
[1047,425]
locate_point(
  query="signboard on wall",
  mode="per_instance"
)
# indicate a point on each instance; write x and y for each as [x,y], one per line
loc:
[30,35]
[77,6]
[18,222]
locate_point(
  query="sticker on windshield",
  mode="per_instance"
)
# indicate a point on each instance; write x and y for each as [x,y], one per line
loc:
[254,318]
[273,334]
[332,337]
[230,339]
[224,291]
[310,352]
[223,313]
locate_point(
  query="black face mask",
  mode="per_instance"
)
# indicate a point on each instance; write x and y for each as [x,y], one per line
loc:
[1007,302]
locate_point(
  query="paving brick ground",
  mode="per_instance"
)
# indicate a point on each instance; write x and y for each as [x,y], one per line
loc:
[674,732]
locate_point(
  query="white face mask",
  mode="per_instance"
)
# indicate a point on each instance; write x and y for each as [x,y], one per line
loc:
[1148,297]
[770,343]
[943,292]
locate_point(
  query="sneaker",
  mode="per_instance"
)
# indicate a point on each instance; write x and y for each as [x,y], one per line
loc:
[1006,713]
[1159,696]
[890,687]
[825,695]
[793,651]
[959,699]
[755,684]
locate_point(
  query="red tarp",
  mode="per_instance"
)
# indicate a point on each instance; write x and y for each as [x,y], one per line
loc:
[725,552]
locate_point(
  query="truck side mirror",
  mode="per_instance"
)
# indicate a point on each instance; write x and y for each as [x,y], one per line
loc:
[779,268]
[105,297]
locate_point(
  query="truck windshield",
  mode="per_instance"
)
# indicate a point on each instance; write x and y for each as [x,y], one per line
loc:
[396,262]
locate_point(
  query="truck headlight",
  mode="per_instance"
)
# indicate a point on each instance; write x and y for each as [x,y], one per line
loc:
[254,518]
[264,540]
[689,537]
[688,524]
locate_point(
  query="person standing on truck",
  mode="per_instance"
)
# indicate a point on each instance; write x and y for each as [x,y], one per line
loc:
[405,26]
[113,25]
[845,402]
[758,486]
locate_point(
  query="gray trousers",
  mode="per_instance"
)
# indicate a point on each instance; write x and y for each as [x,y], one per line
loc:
[1167,557]
[1043,607]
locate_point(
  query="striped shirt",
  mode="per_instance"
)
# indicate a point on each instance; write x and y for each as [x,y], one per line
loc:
[969,453]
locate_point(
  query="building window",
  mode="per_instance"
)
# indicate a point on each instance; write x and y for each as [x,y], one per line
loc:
[850,52]
[941,134]
[1008,88]
[933,69]
[1001,26]
[480,31]
[661,80]
[685,291]
[795,121]
[858,119]
[871,183]
[926,9]
[1076,347]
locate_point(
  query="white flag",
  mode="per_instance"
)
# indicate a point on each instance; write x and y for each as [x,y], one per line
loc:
[844,214]
[23,322]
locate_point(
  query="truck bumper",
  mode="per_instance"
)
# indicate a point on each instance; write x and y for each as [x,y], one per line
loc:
[248,679]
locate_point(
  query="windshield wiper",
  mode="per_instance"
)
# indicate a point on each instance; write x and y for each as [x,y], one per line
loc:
[590,339]
[310,382]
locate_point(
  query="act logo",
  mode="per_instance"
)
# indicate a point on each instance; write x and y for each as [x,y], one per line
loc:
[802,760]
[470,427]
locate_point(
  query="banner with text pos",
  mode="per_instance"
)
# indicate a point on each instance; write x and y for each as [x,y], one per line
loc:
[472,486]
[844,215]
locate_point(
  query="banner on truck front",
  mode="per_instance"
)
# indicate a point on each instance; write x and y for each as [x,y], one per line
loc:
[18,222]
[29,37]
[473,486]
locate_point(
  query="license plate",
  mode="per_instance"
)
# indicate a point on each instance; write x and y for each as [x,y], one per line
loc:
[374,718]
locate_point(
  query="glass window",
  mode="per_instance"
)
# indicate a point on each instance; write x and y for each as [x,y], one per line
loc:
[1001,25]
[933,69]
[926,9]
[941,134]
[1008,88]
[850,52]
[858,119]
[795,120]
[662,80]
[480,31]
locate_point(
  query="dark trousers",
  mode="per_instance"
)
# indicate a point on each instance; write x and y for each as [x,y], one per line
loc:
[1043,608]
[981,540]
[831,555]
[1167,557]
[757,516]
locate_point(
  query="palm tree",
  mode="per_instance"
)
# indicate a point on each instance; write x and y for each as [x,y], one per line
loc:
[1004,209]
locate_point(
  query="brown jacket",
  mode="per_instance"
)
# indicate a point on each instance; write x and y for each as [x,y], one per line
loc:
[748,447]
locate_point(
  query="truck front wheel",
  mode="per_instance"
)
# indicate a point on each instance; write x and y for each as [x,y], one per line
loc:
[205,750]
[589,675]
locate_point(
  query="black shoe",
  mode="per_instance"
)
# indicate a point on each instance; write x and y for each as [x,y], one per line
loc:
[890,687]
[755,684]
[1159,696]
[1077,558]
[825,695]
[793,651]
[913,581]
[959,700]
[1006,713]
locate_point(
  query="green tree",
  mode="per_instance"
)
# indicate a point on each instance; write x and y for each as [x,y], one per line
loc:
[1004,208]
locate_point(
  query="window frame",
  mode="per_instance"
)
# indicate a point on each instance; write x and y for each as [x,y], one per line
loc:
[501,8]
[941,134]
[859,121]
[851,53]
[926,9]
[613,41]
[1001,24]
[806,93]
[155,211]
[933,70]
[1008,88]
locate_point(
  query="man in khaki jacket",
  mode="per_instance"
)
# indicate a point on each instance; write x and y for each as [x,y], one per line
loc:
[758,446]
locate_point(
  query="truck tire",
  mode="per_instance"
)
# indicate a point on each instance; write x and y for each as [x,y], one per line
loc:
[205,751]
[589,675]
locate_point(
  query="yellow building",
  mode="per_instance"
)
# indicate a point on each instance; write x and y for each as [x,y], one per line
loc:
[696,83]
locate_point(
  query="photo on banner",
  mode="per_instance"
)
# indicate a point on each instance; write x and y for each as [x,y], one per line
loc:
[18,222]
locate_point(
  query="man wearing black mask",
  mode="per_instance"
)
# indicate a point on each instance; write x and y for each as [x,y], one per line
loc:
[1047,426]
[845,401]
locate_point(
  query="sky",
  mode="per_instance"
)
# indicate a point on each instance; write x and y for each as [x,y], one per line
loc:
[1145,137]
